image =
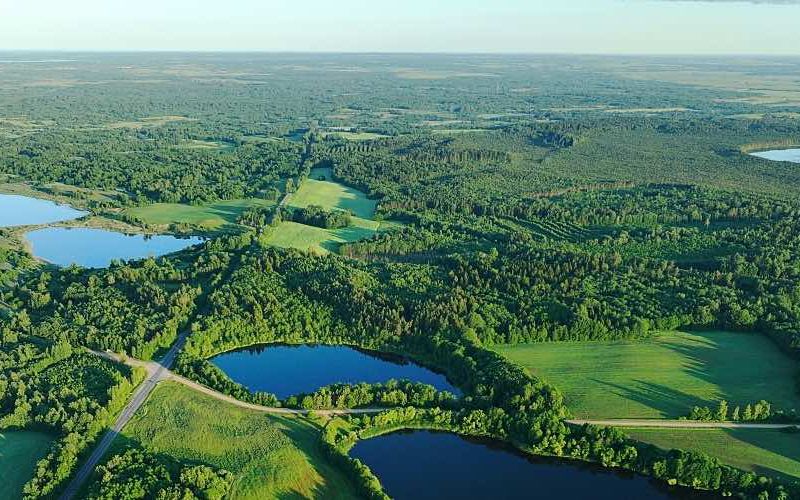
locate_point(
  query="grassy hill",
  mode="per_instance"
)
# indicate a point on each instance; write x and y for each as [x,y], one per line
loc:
[270,456]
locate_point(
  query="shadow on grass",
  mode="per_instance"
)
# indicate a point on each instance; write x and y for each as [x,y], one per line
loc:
[668,401]
[780,442]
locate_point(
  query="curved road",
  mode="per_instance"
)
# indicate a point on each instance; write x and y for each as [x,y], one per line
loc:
[158,372]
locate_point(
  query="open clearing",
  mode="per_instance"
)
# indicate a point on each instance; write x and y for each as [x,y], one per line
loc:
[315,239]
[270,456]
[763,451]
[19,452]
[212,216]
[355,136]
[332,196]
[663,377]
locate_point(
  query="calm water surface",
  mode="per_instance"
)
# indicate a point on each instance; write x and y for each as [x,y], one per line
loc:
[288,370]
[792,155]
[18,210]
[424,465]
[89,247]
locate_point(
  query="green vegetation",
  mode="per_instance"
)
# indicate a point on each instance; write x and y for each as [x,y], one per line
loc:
[70,394]
[269,456]
[317,240]
[770,452]
[605,201]
[662,377]
[213,216]
[332,195]
[19,452]
[355,136]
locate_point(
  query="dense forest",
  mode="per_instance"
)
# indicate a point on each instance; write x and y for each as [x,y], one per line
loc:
[552,202]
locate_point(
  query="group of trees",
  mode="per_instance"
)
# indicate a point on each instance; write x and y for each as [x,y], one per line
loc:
[751,412]
[59,389]
[314,215]
[138,474]
[537,433]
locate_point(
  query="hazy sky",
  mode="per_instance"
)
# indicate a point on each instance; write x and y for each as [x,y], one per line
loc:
[584,26]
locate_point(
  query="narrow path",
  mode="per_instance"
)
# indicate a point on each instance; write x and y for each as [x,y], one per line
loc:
[156,373]
[680,424]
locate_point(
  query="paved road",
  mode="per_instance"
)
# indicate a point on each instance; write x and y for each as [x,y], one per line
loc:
[156,373]
[679,424]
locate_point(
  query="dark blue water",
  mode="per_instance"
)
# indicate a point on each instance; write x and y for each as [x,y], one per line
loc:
[90,247]
[424,465]
[23,211]
[288,370]
[791,155]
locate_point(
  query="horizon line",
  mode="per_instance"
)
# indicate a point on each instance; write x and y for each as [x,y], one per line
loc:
[424,53]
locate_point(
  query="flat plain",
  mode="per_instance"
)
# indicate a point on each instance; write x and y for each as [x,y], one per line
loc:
[211,216]
[663,377]
[770,452]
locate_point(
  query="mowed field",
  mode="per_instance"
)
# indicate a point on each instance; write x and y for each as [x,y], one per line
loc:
[315,239]
[19,452]
[663,377]
[331,196]
[270,456]
[212,216]
[771,452]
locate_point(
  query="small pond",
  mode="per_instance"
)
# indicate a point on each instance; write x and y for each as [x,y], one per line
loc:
[286,370]
[792,155]
[18,210]
[423,465]
[89,247]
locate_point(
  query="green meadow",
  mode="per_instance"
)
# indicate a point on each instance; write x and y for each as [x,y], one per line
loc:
[315,239]
[270,456]
[663,377]
[332,195]
[19,452]
[214,216]
[770,452]
[355,136]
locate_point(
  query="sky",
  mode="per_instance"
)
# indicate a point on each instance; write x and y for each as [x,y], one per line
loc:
[770,27]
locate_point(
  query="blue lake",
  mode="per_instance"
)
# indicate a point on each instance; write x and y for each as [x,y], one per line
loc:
[286,370]
[89,247]
[791,155]
[18,210]
[423,465]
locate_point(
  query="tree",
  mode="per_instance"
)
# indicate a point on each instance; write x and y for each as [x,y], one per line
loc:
[722,411]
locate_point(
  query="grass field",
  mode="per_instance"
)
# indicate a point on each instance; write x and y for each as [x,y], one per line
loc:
[212,216]
[19,452]
[270,456]
[663,377]
[355,136]
[210,145]
[332,196]
[318,240]
[771,452]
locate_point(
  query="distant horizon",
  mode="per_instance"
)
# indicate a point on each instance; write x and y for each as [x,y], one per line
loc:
[397,53]
[570,27]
